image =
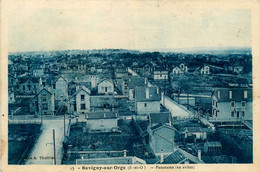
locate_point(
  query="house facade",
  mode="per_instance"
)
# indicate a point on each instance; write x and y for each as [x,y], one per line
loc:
[106,87]
[42,103]
[147,100]
[159,75]
[177,71]
[161,139]
[79,102]
[60,89]
[232,104]
[205,70]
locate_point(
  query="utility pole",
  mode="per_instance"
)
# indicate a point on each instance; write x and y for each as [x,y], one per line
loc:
[164,90]
[54,151]
[41,119]
[64,125]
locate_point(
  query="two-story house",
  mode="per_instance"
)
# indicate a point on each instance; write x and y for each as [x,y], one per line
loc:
[205,70]
[232,104]
[79,102]
[42,103]
[147,100]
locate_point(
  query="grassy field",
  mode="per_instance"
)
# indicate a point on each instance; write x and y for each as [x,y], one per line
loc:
[21,138]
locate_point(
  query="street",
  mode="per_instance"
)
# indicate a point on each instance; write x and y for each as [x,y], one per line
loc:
[42,152]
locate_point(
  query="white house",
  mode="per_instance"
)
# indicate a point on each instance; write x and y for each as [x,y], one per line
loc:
[106,87]
[102,121]
[177,71]
[60,89]
[205,70]
[161,139]
[160,75]
[183,67]
[79,102]
[147,100]
[232,104]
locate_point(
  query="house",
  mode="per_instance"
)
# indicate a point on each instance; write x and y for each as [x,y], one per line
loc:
[104,121]
[135,82]
[160,75]
[147,100]
[42,103]
[29,85]
[111,161]
[184,68]
[198,133]
[161,139]
[177,71]
[212,147]
[180,156]
[106,87]
[79,102]
[231,104]
[205,70]
[60,89]
[147,70]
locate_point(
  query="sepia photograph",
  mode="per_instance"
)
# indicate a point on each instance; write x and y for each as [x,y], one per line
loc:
[129,86]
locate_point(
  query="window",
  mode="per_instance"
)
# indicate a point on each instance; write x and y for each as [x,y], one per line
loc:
[145,105]
[237,114]
[216,104]
[29,87]
[44,106]
[243,103]
[34,87]
[105,89]
[245,94]
[232,114]
[219,94]
[232,104]
[82,106]
[44,97]
[82,97]
[54,86]
[217,113]
[243,113]
[230,94]
[213,102]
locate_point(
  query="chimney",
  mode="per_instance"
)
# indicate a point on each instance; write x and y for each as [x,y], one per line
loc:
[145,80]
[124,153]
[104,115]
[147,93]
[161,159]
[157,90]
[40,81]
[199,154]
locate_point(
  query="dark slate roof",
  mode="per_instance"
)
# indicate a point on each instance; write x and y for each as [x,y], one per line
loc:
[179,156]
[59,78]
[102,115]
[140,94]
[157,118]
[136,82]
[24,79]
[40,92]
[111,160]
[237,94]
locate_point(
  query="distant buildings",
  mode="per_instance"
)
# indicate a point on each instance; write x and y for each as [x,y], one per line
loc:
[232,104]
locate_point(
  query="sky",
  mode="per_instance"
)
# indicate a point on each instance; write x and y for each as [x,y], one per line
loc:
[63,29]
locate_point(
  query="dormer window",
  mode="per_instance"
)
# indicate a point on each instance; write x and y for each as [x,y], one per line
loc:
[232,104]
[243,103]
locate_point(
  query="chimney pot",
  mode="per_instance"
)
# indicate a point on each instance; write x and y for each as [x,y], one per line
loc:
[147,93]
